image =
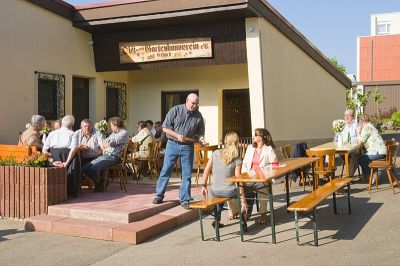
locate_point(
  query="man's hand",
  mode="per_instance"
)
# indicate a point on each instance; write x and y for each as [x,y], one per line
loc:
[105,145]
[244,207]
[180,138]
[204,191]
[203,142]
[58,164]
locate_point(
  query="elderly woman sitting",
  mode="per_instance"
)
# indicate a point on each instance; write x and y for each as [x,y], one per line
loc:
[373,143]
[31,136]
[143,139]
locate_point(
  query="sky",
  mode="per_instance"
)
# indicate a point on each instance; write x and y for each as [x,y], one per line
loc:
[331,25]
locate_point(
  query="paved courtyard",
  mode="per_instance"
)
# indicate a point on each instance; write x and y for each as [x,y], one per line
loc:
[367,237]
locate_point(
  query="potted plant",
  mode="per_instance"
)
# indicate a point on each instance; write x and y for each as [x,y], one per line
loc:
[29,187]
[337,127]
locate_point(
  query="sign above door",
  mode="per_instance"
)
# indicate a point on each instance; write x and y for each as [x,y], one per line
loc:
[141,52]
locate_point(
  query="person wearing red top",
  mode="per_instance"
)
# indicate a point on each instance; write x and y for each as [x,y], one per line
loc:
[259,155]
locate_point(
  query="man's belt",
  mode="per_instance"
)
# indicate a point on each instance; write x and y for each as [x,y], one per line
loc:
[180,143]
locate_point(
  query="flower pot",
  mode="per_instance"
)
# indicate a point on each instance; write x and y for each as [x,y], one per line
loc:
[28,191]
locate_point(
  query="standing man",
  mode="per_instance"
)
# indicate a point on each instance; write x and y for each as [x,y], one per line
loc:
[349,133]
[89,141]
[183,125]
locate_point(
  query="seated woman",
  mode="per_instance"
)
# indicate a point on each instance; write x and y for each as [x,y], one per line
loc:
[31,136]
[373,143]
[259,155]
[224,163]
[143,138]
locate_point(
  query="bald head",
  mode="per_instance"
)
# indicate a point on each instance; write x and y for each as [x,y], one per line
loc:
[192,102]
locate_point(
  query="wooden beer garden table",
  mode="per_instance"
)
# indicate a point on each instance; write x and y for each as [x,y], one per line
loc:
[344,149]
[265,177]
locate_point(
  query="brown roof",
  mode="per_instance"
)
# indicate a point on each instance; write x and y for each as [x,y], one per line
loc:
[124,14]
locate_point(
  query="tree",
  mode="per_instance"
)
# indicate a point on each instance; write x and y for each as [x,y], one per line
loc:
[378,99]
[340,67]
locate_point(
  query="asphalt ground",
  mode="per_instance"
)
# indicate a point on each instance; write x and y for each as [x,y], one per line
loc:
[369,236]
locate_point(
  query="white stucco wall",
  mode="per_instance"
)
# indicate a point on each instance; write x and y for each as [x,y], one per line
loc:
[392,18]
[33,39]
[301,99]
[144,90]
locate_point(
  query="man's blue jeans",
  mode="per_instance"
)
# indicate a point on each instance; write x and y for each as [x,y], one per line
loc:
[172,153]
[93,168]
[366,159]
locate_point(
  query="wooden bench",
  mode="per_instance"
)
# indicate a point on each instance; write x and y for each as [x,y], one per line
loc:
[308,204]
[205,205]
[15,151]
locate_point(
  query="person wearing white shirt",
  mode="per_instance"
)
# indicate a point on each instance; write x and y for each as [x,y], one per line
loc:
[63,138]
[62,144]
[349,135]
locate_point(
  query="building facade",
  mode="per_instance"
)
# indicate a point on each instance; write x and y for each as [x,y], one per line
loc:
[378,60]
[136,59]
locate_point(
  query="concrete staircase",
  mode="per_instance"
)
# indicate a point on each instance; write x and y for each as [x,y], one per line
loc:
[115,215]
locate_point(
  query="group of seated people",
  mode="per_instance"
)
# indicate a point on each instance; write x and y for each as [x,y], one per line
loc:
[95,151]
[147,133]
[63,145]
[365,133]
[226,162]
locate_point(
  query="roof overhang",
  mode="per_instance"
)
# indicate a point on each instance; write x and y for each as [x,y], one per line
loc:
[122,15]
[153,13]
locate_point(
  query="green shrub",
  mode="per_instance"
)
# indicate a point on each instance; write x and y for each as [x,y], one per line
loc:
[396,119]
[37,159]
[8,161]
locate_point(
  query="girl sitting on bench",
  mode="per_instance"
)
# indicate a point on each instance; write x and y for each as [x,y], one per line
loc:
[225,163]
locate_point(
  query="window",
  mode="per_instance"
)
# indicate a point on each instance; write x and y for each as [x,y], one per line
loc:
[51,95]
[170,99]
[383,27]
[115,99]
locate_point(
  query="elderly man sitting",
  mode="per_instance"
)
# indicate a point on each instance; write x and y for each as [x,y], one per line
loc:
[62,145]
[31,136]
[349,136]
[112,147]
[143,139]
[89,142]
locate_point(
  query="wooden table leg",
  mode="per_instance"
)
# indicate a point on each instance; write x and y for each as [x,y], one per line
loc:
[346,161]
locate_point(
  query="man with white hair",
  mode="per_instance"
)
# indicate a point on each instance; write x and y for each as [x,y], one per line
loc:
[89,141]
[183,125]
[31,136]
[349,136]
[62,144]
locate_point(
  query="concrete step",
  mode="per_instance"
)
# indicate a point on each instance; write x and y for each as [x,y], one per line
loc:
[109,212]
[132,233]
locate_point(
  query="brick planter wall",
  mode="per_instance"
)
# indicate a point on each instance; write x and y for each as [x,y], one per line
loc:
[28,191]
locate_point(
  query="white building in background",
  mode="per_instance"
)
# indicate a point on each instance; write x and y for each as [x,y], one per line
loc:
[385,23]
